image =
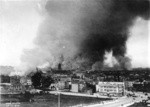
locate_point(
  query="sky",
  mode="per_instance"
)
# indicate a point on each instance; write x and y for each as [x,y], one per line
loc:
[19,22]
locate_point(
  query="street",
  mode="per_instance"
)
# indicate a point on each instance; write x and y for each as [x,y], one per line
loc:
[122,102]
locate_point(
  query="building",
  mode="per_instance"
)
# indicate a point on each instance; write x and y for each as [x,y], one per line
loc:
[7,88]
[80,74]
[110,88]
[25,81]
[61,85]
[74,87]
[78,85]
[16,89]
[53,86]
[58,77]
[29,82]
[129,85]
[14,80]
[4,88]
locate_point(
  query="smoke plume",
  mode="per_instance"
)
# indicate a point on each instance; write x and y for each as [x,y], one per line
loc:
[84,29]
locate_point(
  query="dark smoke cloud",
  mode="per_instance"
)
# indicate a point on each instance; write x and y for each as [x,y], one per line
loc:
[113,32]
[86,29]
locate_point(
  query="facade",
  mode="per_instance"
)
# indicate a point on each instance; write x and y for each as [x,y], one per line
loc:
[53,86]
[78,85]
[80,74]
[4,88]
[61,82]
[29,82]
[74,87]
[129,85]
[61,85]
[26,81]
[111,88]
[15,80]
[17,88]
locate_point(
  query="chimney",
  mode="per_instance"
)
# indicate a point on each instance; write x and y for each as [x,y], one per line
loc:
[59,66]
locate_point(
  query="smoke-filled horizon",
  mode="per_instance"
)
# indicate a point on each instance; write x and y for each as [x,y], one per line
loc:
[80,32]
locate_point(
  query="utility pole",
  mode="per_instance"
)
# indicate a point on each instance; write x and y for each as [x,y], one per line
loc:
[58,99]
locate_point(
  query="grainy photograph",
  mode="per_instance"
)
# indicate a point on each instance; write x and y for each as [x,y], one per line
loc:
[74,53]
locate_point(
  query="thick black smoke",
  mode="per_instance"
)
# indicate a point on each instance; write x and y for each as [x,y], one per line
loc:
[86,29]
[112,34]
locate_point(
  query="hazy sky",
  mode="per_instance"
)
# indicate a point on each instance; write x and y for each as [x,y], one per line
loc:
[19,23]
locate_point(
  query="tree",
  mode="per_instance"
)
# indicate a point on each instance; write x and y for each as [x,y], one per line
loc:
[46,81]
[40,81]
[36,79]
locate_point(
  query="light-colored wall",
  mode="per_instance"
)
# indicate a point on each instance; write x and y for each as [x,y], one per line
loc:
[74,88]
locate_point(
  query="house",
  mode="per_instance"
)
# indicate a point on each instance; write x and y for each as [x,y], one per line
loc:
[60,85]
[18,88]
[4,88]
[80,74]
[62,81]
[129,85]
[25,81]
[29,82]
[61,78]
[110,88]
[53,86]
[14,80]
[33,91]
[14,89]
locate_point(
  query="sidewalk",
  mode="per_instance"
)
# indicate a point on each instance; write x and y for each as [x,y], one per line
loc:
[77,94]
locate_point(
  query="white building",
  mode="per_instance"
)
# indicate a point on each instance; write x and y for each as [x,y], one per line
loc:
[111,88]
[74,88]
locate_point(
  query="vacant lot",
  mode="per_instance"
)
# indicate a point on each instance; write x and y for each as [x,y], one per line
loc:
[50,100]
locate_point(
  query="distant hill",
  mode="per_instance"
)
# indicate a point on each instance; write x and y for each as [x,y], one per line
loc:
[6,70]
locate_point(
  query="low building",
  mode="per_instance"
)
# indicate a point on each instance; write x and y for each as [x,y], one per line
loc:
[14,80]
[34,91]
[4,88]
[53,86]
[16,89]
[29,82]
[61,78]
[61,85]
[74,87]
[89,91]
[129,85]
[61,82]
[110,88]
[78,86]
[25,81]
[80,74]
